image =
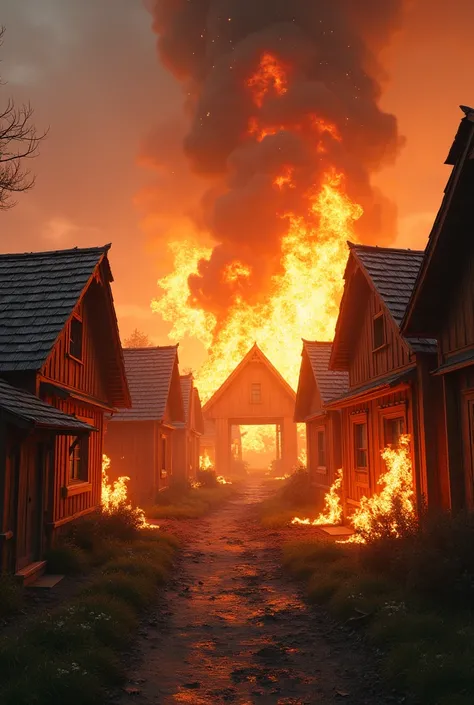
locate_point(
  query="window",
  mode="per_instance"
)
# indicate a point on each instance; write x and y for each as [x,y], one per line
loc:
[379,331]
[164,458]
[321,439]
[78,459]
[256,393]
[360,446]
[393,428]
[75,338]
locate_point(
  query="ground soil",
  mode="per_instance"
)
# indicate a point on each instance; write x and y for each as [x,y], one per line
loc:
[233,628]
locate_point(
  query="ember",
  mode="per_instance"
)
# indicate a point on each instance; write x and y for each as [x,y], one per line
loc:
[205,463]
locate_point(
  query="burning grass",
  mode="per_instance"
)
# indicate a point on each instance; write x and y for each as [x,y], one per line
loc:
[413,597]
[294,494]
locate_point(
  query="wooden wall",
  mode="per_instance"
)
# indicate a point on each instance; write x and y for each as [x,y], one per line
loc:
[358,485]
[457,332]
[366,364]
[87,376]
[331,423]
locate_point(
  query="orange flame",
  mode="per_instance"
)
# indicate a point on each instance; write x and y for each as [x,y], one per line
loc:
[332,513]
[205,463]
[270,76]
[394,504]
[222,481]
[114,496]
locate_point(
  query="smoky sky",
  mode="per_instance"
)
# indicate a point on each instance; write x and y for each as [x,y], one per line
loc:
[330,54]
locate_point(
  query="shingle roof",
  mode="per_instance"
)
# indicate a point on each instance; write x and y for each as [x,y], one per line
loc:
[27,407]
[393,273]
[374,384]
[38,292]
[149,374]
[331,384]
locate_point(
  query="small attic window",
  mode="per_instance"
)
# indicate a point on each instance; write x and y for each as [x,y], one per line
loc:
[379,331]
[75,338]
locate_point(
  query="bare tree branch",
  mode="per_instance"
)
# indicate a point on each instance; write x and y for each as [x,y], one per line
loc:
[19,140]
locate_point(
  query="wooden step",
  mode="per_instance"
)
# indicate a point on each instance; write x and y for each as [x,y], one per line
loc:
[31,572]
[46,582]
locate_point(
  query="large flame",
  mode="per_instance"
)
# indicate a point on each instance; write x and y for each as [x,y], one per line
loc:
[205,463]
[114,496]
[303,297]
[394,505]
[332,512]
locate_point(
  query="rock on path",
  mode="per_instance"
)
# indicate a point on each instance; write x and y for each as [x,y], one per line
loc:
[232,628]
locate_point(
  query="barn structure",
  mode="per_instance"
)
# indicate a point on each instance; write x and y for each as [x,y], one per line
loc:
[59,343]
[391,391]
[139,440]
[442,307]
[254,394]
[187,434]
[317,387]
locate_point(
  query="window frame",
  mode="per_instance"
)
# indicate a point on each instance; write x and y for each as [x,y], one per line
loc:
[360,420]
[379,317]
[82,444]
[76,318]
[389,418]
[253,385]
[164,472]
[321,431]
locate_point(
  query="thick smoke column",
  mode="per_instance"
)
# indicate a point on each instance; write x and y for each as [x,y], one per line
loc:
[243,135]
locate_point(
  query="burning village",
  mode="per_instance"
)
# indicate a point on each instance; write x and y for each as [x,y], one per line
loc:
[236,353]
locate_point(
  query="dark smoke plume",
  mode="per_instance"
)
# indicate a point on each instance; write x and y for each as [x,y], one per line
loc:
[329,49]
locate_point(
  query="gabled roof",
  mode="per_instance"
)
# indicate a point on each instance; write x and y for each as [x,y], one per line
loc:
[153,379]
[38,292]
[25,408]
[191,405]
[315,373]
[450,239]
[186,382]
[331,383]
[253,354]
[391,273]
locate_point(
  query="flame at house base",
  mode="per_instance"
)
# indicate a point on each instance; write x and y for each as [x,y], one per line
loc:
[332,513]
[392,511]
[114,496]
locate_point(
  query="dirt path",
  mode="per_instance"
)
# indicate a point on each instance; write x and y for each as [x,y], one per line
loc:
[232,628]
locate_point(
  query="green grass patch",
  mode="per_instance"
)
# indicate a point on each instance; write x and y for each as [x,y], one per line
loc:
[189,503]
[71,655]
[428,646]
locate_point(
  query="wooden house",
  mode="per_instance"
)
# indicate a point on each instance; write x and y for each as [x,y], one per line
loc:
[442,307]
[317,387]
[59,342]
[254,394]
[187,434]
[139,440]
[391,391]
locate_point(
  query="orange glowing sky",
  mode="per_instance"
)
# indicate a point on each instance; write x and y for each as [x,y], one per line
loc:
[92,74]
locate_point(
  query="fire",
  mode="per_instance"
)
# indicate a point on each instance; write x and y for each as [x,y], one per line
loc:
[114,496]
[205,463]
[393,508]
[270,76]
[222,481]
[313,258]
[235,271]
[332,513]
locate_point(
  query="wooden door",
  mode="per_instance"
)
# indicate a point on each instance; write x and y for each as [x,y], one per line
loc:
[30,529]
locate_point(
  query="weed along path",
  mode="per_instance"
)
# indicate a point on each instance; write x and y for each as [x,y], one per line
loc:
[232,628]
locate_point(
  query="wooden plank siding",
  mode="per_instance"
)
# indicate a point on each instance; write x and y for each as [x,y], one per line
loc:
[365,364]
[84,376]
[457,331]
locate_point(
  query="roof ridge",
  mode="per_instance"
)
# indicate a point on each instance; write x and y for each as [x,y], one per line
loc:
[317,342]
[376,248]
[149,348]
[50,253]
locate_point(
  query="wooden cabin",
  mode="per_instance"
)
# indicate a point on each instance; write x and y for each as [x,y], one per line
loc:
[442,307]
[59,342]
[317,387]
[254,394]
[391,391]
[139,440]
[186,437]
